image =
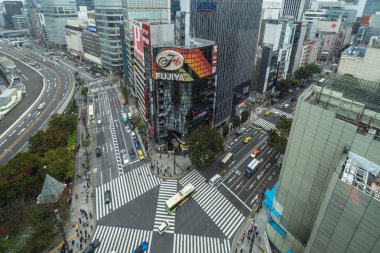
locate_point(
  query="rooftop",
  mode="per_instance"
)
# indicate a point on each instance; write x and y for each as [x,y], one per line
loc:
[354,52]
[7,63]
[360,173]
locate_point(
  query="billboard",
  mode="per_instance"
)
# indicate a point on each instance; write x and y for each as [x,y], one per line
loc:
[146,35]
[206,6]
[138,43]
[184,64]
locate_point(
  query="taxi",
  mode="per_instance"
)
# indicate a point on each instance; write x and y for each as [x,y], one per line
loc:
[247,139]
[140,154]
[267,113]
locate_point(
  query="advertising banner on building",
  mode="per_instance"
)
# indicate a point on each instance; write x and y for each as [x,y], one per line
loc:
[146,35]
[138,43]
[184,65]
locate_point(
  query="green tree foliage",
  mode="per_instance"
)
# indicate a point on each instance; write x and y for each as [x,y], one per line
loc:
[204,144]
[84,91]
[140,126]
[307,71]
[236,121]
[278,140]
[244,116]
[58,163]
[225,130]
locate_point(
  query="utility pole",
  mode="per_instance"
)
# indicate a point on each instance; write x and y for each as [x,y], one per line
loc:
[174,161]
[65,245]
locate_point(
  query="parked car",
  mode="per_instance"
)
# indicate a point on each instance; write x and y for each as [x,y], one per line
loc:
[97,152]
[140,154]
[137,144]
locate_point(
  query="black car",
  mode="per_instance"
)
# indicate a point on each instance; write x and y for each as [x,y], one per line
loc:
[131,153]
[132,125]
[97,152]
[107,196]
[95,95]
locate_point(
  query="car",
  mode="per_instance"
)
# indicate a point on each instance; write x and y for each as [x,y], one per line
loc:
[286,106]
[41,106]
[137,144]
[99,122]
[227,147]
[215,179]
[163,227]
[97,152]
[107,196]
[267,113]
[140,154]
[95,95]
[241,131]
[133,135]
[282,117]
[132,153]
[131,125]
[141,248]
[276,114]
[247,139]
[255,153]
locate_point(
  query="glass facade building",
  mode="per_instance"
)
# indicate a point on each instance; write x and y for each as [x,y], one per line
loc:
[314,211]
[89,3]
[56,13]
[294,8]
[371,7]
[11,8]
[234,26]
[109,18]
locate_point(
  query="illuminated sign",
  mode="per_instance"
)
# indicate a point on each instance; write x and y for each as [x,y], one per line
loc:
[170,76]
[169,60]
[206,6]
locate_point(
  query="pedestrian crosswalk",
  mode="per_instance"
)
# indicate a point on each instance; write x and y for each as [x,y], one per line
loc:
[167,190]
[116,145]
[265,124]
[227,217]
[288,115]
[192,243]
[124,189]
[116,239]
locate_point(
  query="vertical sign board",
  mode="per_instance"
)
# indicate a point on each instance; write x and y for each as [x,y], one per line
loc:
[146,35]
[214,58]
[138,43]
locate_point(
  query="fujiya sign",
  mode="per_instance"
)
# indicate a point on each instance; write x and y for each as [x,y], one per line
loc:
[169,60]
[170,76]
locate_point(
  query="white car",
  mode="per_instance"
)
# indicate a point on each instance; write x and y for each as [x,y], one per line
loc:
[41,106]
[163,227]
[276,114]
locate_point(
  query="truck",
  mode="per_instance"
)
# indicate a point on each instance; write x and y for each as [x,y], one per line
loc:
[251,168]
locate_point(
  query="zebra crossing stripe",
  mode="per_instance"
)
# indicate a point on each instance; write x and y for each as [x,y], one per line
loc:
[124,189]
[288,115]
[192,243]
[226,216]
[167,190]
[265,124]
[120,239]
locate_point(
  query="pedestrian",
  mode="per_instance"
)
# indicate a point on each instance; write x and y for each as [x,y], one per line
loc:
[91,227]
[80,231]
[259,238]
[85,240]
[90,215]
[73,242]
[86,200]
[80,221]
[257,232]
[80,246]
[76,196]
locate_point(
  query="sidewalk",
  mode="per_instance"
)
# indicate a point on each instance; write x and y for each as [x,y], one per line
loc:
[249,238]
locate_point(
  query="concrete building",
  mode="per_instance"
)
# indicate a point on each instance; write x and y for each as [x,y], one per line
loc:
[11,8]
[327,196]
[74,40]
[109,18]
[91,48]
[309,53]
[20,22]
[234,26]
[56,14]
[176,98]
[273,58]
[88,3]
[42,27]
[271,9]
[294,8]
[366,32]
[154,10]
[362,62]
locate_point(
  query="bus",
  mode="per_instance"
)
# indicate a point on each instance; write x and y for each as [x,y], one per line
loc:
[180,198]
[91,112]
[125,119]
[226,159]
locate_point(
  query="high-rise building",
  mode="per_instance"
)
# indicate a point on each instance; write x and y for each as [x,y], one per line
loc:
[109,18]
[88,3]
[11,8]
[328,191]
[20,22]
[153,10]
[56,13]
[371,7]
[294,8]
[234,26]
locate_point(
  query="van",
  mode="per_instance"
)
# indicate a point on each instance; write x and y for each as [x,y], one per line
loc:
[215,179]
[163,227]
[133,135]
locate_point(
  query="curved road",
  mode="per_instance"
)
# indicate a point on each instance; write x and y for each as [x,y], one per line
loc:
[54,89]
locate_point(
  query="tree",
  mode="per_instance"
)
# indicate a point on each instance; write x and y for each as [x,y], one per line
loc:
[204,144]
[84,91]
[307,71]
[226,130]
[284,126]
[244,116]
[279,139]
[236,121]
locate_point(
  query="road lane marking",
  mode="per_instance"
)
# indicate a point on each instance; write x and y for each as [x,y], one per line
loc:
[225,186]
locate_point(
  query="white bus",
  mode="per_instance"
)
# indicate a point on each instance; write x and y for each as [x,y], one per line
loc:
[180,198]
[91,112]
[226,159]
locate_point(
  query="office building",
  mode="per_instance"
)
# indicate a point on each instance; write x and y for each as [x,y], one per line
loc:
[271,9]
[91,48]
[109,18]
[371,7]
[73,39]
[234,26]
[178,98]
[320,205]
[20,22]
[88,3]
[362,62]
[294,8]
[11,8]
[154,10]
[56,13]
